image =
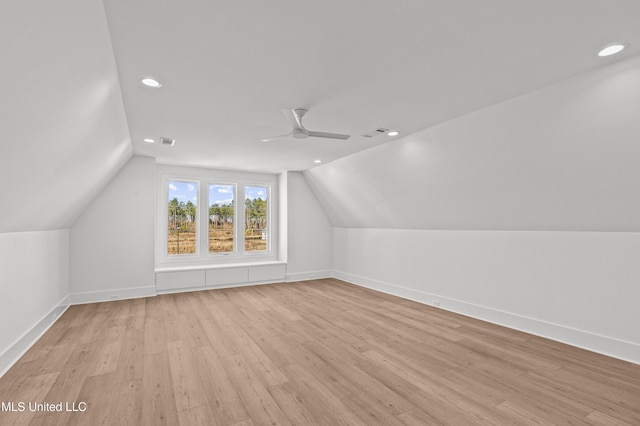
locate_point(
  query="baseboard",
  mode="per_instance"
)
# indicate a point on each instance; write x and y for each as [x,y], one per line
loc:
[217,287]
[22,345]
[110,295]
[615,348]
[306,276]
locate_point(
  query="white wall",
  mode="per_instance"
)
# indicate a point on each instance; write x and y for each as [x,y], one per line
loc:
[494,213]
[309,232]
[577,287]
[33,285]
[112,242]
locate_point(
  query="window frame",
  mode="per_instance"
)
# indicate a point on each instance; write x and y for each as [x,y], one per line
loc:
[166,221]
[235,218]
[203,178]
[269,232]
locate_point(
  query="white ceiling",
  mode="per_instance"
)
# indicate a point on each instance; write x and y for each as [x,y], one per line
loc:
[73,111]
[228,68]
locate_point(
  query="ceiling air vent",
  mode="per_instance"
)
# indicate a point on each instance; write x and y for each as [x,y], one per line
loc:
[374,133]
[167,141]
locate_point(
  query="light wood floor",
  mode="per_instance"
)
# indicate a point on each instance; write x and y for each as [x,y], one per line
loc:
[317,352]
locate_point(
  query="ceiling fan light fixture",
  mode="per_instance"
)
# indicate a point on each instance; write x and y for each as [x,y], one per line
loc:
[612,49]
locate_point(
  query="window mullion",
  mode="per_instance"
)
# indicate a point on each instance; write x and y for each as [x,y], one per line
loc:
[240,220]
[203,223]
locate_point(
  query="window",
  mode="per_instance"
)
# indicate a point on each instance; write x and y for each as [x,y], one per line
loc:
[221,219]
[182,218]
[209,216]
[256,218]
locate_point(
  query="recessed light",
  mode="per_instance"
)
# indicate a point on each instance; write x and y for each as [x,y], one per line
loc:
[317,161]
[393,133]
[612,49]
[151,82]
[149,140]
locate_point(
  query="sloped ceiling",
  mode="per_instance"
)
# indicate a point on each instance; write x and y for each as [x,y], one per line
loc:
[64,130]
[564,157]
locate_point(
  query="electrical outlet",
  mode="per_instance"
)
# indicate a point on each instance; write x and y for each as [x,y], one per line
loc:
[436,303]
[114,297]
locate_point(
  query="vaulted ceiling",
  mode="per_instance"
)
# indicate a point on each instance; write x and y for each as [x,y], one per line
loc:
[63,124]
[228,68]
[73,109]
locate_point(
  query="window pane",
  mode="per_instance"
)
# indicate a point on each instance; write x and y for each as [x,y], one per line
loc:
[221,214]
[183,206]
[255,218]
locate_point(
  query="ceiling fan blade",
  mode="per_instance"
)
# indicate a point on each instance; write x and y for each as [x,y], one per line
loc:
[299,132]
[295,117]
[275,137]
[328,135]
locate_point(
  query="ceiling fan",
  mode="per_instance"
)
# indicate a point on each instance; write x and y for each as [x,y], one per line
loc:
[299,132]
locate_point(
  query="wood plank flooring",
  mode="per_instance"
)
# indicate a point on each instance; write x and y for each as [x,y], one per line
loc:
[315,352]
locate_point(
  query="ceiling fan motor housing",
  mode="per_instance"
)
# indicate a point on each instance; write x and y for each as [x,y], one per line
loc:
[299,134]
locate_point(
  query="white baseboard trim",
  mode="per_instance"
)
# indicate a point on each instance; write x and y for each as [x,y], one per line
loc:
[110,295]
[306,276]
[15,351]
[612,347]
[217,287]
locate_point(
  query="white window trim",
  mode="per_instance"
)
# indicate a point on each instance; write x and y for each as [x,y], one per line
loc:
[205,221]
[269,219]
[166,220]
[205,177]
